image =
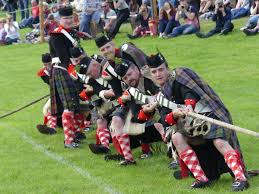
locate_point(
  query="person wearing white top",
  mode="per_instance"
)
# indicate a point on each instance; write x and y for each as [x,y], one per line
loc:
[108,16]
[91,14]
[122,16]
[12,31]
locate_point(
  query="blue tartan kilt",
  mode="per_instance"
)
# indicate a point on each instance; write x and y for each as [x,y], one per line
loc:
[64,92]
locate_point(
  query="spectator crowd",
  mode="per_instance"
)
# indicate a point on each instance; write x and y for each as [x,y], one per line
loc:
[175,17]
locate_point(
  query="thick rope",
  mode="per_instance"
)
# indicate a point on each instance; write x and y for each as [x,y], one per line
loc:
[23,107]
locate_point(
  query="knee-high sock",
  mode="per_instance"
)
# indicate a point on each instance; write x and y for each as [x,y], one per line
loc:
[97,139]
[68,121]
[45,120]
[233,160]
[145,148]
[117,145]
[104,136]
[184,169]
[79,122]
[124,142]
[52,121]
[190,159]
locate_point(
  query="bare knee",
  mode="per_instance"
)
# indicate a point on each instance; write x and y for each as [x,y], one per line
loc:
[222,145]
[101,123]
[117,122]
[117,125]
[178,139]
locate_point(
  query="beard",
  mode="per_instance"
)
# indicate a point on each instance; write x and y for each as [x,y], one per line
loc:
[109,56]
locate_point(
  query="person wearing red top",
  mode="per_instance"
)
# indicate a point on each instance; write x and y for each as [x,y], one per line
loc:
[204,149]
[34,19]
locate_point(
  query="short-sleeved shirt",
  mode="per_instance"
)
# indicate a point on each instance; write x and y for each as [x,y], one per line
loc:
[195,21]
[106,17]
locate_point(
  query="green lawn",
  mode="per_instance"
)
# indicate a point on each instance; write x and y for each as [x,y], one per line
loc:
[33,163]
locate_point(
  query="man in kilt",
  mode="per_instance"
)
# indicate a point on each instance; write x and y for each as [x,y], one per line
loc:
[99,93]
[207,155]
[138,86]
[50,121]
[63,90]
[110,53]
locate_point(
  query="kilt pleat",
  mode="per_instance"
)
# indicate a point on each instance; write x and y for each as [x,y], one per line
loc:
[63,91]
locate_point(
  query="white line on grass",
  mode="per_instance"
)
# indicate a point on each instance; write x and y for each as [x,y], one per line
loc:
[97,181]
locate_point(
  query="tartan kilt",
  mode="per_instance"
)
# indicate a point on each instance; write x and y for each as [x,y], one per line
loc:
[227,134]
[63,92]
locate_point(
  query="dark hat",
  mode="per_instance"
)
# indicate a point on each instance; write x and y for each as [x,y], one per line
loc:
[76,52]
[46,58]
[122,68]
[84,64]
[65,11]
[156,60]
[102,40]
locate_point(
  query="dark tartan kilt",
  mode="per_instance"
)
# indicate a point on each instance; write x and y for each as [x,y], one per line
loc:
[64,92]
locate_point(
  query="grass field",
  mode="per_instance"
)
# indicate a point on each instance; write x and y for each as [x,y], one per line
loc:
[33,163]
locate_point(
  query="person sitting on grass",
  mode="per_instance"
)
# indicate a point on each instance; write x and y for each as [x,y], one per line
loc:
[108,16]
[252,21]
[222,17]
[142,18]
[205,5]
[241,10]
[2,31]
[34,19]
[252,32]
[12,31]
[167,20]
[189,13]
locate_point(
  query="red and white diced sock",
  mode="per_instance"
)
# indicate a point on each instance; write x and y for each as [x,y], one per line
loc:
[184,169]
[117,145]
[233,160]
[97,139]
[69,126]
[45,120]
[104,136]
[190,159]
[79,118]
[52,121]
[145,148]
[124,142]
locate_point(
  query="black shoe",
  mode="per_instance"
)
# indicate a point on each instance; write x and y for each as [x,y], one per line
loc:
[44,129]
[224,32]
[127,162]
[239,185]
[116,157]
[98,149]
[72,145]
[249,32]
[131,36]
[80,135]
[178,175]
[77,140]
[200,184]
[200,35]
[173,165]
